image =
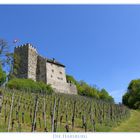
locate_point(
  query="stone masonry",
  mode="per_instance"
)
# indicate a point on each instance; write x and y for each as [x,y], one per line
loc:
[34,66]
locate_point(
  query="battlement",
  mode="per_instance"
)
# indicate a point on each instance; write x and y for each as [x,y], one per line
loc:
[28,45]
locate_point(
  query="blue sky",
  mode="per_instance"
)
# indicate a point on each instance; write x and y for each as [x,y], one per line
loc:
[99,44]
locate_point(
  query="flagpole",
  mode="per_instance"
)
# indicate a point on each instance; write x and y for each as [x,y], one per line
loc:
[12,63]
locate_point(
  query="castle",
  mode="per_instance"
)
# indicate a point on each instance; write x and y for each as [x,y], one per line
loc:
[35,67]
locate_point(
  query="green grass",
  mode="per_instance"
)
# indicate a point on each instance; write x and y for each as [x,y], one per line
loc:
[130,125]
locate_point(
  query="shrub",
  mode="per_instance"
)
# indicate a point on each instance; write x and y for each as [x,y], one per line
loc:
[85,90]
[29,85]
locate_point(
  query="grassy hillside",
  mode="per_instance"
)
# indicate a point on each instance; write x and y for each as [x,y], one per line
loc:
[130,125]
[26,112]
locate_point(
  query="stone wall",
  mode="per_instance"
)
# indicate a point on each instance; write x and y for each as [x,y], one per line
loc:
[32,62]
[21,54]
[62,87]
[72,89]
[55,73]
[41,73]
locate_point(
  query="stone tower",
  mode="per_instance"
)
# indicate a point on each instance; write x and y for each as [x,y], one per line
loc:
[27,56]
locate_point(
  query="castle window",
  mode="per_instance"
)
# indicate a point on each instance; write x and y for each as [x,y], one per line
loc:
[51,76]
[52,70]
[60,72]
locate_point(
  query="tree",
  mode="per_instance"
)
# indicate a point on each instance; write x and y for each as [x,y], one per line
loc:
[104,95]
[6,58]
[14,65]
[125,99]
[2,76]
[4,49]
[132,97]
[3,59]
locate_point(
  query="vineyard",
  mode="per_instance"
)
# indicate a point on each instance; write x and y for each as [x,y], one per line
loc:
[39,112]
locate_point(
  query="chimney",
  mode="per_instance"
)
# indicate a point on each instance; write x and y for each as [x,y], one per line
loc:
[54,60]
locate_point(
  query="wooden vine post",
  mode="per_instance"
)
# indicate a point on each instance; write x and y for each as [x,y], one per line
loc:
[73,116]
[35,114]
[92,118]
[67,125]
[11,108]
[57,112]
[53,115]
[44,114]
